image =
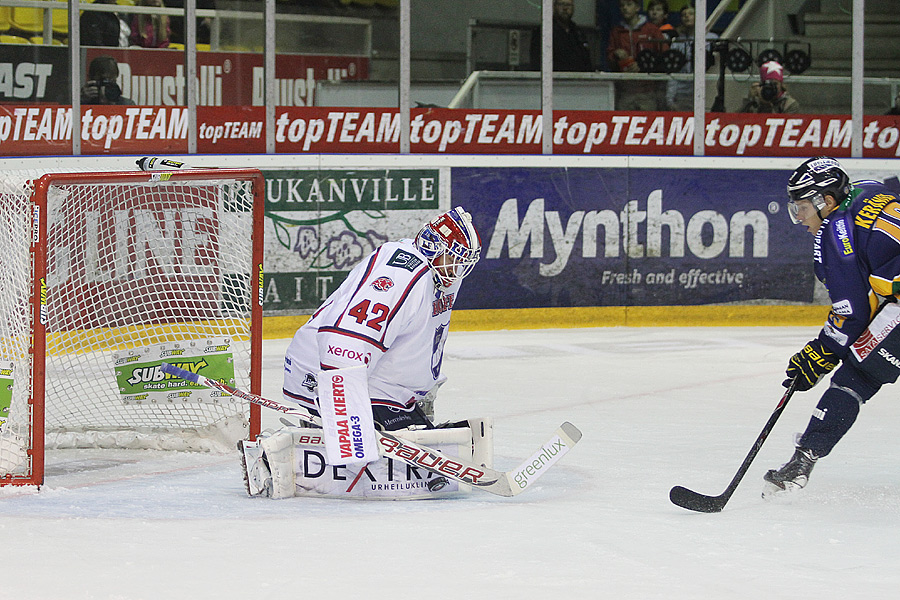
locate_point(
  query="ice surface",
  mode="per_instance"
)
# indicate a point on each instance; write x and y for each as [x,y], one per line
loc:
[658,407]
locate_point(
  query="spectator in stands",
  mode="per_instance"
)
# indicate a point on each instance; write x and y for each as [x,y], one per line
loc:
[895,109]
[608,16]
[627,40]
[570,46]
[203,23]
[769,95]
[103,28]
[101,86]
[150,31]
[658,14]
[680,94]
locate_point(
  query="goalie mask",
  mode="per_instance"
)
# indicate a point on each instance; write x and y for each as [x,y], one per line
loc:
[812,180]
[451,245]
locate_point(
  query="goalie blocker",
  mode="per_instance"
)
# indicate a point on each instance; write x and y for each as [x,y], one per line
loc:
[292,462]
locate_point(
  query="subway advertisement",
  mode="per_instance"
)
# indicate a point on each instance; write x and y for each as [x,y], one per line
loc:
[551,236]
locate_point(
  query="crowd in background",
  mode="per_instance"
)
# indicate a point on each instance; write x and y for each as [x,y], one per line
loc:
[636,35]
[141,30]
[628,30]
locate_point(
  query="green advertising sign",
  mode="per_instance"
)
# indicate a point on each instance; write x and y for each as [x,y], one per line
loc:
[141,380]
[6,389]
[300,290]
[347,190]
[322,223]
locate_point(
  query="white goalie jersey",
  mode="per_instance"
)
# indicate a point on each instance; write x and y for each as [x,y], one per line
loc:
[388,315]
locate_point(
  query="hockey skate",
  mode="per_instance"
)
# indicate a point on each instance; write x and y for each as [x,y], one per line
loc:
[793,476]
[255,467]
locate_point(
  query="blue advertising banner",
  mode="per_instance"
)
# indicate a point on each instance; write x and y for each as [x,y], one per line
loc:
[566,237]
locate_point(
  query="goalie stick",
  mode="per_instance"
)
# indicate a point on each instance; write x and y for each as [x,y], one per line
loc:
[691,500]
[500,483]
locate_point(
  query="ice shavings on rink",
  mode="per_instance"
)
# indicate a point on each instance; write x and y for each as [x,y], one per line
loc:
[658,407]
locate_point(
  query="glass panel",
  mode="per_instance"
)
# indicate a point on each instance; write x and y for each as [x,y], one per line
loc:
[491,48]
[35,84]
[816,57]
[351,49]
[636,51]
[150,70]
[882,55]
[809,46]
[678,59]
[579,52]
[336,55]
[127,59]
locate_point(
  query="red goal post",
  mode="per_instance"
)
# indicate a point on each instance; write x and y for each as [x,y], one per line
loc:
[105,275]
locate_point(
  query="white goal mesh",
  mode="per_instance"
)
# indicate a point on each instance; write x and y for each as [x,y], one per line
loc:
[156,267]
[15,328]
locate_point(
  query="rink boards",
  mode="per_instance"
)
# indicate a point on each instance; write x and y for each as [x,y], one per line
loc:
[567,241]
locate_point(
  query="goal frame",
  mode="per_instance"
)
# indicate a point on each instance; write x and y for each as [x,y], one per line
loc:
[39,256]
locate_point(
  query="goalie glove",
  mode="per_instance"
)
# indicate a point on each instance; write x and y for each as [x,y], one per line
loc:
[809,365]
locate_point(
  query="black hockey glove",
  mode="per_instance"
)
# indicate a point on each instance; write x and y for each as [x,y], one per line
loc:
[809,365]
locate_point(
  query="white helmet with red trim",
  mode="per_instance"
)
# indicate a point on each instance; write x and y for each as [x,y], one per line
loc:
[452,246]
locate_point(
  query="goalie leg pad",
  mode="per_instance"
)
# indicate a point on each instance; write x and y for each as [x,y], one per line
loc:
[386,478]
[257,478]
[474,437]
[278,449]
[482,441]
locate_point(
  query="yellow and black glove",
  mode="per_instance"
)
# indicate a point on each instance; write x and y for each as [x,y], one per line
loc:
[809,365]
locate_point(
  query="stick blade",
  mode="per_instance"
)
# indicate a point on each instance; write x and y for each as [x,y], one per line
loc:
[179,372]
[691,500]
[571,432]
[564,439]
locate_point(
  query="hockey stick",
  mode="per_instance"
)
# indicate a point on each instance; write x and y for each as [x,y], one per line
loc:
[501,483]
[691,500]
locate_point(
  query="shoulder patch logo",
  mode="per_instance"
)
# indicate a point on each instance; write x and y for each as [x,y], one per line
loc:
[842,308]
[382,284]
[843,237]
[404,260]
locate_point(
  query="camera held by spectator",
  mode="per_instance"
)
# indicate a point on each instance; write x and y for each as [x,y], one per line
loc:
[769,91]
[101,87]
[769,95]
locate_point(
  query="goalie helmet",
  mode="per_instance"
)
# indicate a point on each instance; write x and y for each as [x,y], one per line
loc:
[812,180]
[451,245]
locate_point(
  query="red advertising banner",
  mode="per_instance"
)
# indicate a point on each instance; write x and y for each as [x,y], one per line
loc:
[156,77]
[27,130]
[231,130]
[448,131]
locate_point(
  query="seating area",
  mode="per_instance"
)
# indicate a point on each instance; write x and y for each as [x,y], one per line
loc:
[28,25]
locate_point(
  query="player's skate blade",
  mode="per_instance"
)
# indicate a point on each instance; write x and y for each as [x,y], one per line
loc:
[791,477]
[775,492]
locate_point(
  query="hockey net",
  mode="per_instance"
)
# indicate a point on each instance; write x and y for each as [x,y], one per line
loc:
[102,277]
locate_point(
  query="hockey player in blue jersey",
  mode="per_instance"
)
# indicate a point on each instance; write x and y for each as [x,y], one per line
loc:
[857,257]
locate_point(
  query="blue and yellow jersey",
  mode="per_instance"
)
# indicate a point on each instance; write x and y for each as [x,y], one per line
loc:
[857,257]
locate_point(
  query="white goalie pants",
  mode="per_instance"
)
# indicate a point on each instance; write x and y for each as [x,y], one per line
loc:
[296,460]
